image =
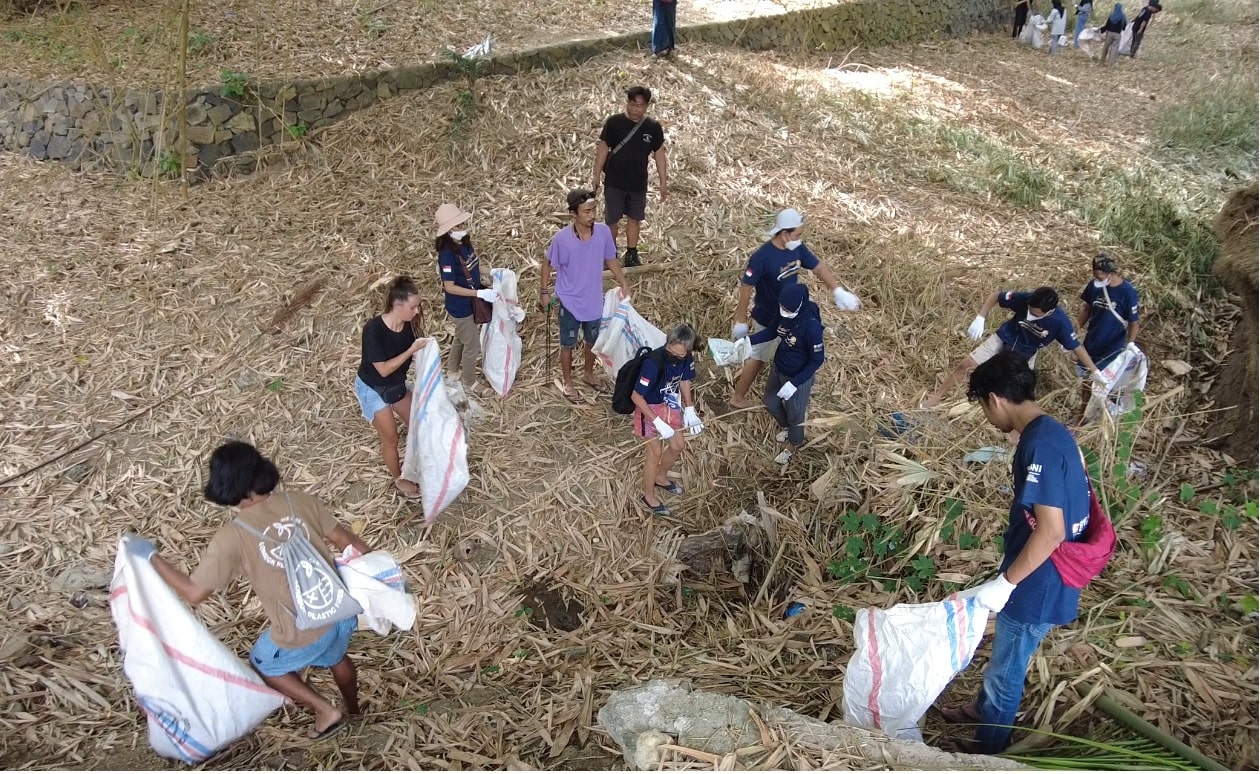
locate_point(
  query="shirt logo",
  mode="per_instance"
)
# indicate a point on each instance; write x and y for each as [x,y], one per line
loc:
[446,269]
[647,138]
[789,270]
[644,381]
[1034,329]
[747,272]
[1033,474]
[279,531]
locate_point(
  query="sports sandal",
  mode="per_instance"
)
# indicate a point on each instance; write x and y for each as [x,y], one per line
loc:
[784,457]
[659,510]
[673,487]
[781,436]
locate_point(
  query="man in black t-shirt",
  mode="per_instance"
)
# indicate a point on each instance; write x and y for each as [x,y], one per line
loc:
[628,140]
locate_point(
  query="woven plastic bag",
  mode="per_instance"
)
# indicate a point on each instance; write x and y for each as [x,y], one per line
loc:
[436,457]
[622,331]
[376,582]
[500,345]
[1125,375]
[730,353]
[904,658]
[198,696]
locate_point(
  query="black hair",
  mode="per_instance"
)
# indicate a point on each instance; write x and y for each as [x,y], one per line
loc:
[401,289]
[634,92]
[447,242]
[1006,375]
[1044,298]
[579,196]
[238,470]
[1104,262]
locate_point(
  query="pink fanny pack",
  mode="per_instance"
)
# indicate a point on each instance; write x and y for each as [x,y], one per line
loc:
[1080,562]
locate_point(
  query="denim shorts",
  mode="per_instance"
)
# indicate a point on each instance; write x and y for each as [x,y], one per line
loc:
[370,401]
[274,661]
[569,326]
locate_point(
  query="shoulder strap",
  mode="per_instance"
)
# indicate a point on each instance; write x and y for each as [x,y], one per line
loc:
[1112,307]
[288,501]
[634,129]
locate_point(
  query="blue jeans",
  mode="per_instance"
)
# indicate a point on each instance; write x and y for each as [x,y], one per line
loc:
[1014,643]
[1082,19]
[663,24]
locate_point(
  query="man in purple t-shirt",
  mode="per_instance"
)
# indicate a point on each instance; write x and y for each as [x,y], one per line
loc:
[578,254]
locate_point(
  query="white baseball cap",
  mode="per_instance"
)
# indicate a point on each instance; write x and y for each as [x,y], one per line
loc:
[787,220]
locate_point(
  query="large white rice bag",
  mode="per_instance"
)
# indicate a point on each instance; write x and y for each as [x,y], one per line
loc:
[1125,375]
[500,346]
[622,331]
[199,697]
[375,581]
[904,658]
[1126,40]
[436,457]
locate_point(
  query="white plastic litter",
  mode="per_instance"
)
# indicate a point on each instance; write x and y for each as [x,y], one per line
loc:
[730,353]
[436,457]
[1124,375]
[1126,40]
[622,331]
[904,658]
[198,696]
[1034,30]
[500,345]
[376,582]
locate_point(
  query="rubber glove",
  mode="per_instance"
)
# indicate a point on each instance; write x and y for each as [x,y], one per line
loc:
[691,420]
[488,294]
[992,595]
[1098,377]
[739,331]
[787,391]
[138,546]
[1132,349]
[845,300]
[663,429]
[976,329]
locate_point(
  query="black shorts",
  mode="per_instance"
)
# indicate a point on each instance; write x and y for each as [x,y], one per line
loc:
[618,202]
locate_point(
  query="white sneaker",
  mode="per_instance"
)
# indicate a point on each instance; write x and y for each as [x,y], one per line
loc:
[784,457]
[781,436]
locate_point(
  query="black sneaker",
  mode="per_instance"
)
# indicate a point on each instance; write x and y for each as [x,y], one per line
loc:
[632,257]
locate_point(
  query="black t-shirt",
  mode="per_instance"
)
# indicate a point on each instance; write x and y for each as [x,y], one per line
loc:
[379,345]
[628,168]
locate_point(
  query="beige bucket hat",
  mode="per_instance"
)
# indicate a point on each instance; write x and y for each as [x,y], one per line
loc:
[448,217]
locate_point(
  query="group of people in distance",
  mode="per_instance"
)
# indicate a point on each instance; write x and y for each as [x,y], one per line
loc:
[1050,501]
[1113,27]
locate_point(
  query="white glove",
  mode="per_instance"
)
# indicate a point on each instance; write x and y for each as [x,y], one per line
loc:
[488,294]
[663,429]
[739,331]
[140,547]
[845,300]
[1132,349]
[787,391]
[992,595]
[691,420]
[976,329]
[1098,377]
[743,349]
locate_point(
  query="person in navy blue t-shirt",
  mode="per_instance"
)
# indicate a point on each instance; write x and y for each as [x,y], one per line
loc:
[772,267]
[1109,314]
[1036,322]
[1050,504]
[797,358]
[462,282]
[663,405]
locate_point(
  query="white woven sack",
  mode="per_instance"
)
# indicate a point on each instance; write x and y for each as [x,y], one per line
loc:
[622,331]
[436,456]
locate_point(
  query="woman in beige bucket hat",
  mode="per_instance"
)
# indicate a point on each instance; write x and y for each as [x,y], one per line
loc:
[462,281]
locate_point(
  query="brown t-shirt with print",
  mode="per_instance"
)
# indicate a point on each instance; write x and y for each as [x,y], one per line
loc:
[234,551]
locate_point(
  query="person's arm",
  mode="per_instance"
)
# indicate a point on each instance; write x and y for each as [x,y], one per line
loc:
[1051,530]
[177,579]
[387,367]
[816,357]
[1084,359]
[684,387]
[638,396]
[662,176]
[544,282]
[601,158]
[1130,334]
[763,335]
[458,290]
[989,303]
[741,306]
[1082,316]
[343,538]
[822,272]
[614,266]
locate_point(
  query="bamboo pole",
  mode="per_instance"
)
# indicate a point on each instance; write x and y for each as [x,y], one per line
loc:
[183,95]
[1110,706]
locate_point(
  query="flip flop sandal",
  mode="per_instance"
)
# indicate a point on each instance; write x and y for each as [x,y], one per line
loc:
[673,487]
[599,387]
[331,731]
[659,510]
[416,495]
[959,713]
[571,397]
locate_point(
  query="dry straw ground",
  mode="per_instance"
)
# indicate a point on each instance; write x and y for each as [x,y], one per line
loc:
[121,296]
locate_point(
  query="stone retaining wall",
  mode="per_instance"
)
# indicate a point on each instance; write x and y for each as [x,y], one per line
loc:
[90,126]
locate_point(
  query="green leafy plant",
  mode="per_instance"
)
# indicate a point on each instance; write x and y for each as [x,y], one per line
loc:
[524,612]
[297,131]
[493,669]
[275,385]
[199,41]
[843,612]
[233,85]
[416,706]
[170,163]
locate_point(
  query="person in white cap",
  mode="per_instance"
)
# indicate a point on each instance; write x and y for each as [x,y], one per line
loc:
[771,267]
[461,284]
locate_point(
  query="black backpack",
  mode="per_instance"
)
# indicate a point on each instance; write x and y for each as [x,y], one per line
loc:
[628,377]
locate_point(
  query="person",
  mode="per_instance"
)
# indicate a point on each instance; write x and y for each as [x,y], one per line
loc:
[663,406]
[626,143]
[1050,504]
[389,341]
[797,358]
[241,478]
[578,254]
[1083,12]
[1140,23]
[773,266]
[664,26]
[1111,31]
[1021,18]
[1036,322]
[1058,24]
[1109,315]
[461,283]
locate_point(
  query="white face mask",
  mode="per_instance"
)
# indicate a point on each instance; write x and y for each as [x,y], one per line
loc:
[458,236]
[793,244]
[1100,283]
[786,314]
[1032,318]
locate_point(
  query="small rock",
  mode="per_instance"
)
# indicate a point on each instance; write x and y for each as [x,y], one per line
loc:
[248,379]
[78,472]
[15,646]
[75,579]
[16,603]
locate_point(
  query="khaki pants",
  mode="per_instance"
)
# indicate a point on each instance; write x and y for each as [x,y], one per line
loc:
[1111,47]
[466,349]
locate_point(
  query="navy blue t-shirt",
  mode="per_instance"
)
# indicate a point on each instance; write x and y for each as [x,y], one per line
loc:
[448,263]
[800,351]
[1028,336]
[1105,335]
[1046,470]
[670,390]
[768,270]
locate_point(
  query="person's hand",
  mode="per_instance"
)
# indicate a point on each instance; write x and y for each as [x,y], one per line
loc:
[691,420]
[845,300]
[992,595]
[663,429]
[544,299]
[488,294]
[664,193]
[139,547]
[739,331]
[976,329]
[787,391]
[1132,349]
[625,293]
[594,184]
[1098,377]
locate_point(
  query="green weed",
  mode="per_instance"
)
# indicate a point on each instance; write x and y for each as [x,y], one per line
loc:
[297,131]
[234,85]
[170,163]
[199,41]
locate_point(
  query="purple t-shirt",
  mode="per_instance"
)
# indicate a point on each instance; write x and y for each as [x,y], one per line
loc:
[579,266]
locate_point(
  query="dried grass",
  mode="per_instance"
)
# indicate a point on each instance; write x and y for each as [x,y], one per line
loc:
[119,295]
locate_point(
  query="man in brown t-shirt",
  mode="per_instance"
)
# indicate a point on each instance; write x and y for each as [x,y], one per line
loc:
[241,477]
